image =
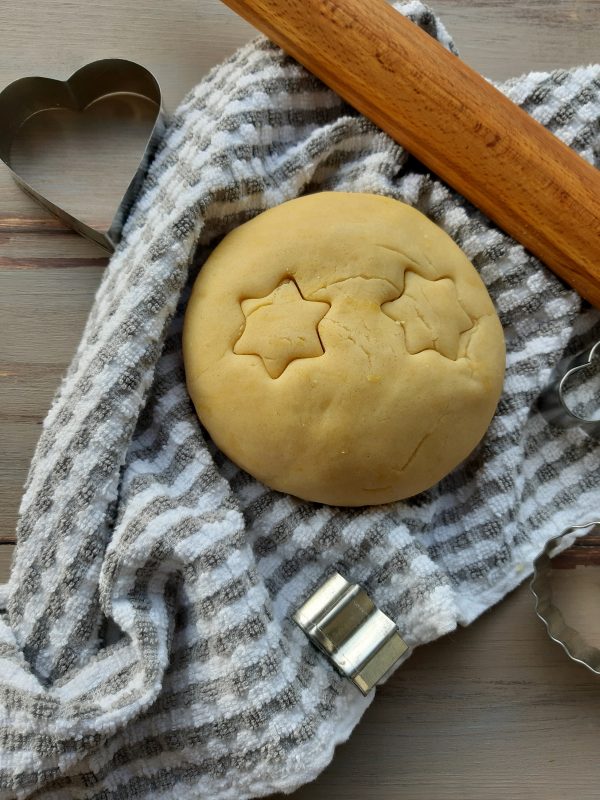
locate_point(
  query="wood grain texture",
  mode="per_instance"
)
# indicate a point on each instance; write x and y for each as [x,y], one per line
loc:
[6,551]
[43,308]
[584,552]
[454,121]
[494,711]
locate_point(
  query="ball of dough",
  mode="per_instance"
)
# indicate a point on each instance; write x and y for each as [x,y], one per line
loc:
[341,347]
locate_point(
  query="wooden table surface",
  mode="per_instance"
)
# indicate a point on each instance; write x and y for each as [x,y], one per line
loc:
[493,711]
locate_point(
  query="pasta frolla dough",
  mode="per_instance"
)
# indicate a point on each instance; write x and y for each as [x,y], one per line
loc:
[341,348]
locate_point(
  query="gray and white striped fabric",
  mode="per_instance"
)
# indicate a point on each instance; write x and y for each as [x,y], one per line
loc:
[132,521]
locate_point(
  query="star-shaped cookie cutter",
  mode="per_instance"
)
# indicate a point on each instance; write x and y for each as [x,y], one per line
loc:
[553,403]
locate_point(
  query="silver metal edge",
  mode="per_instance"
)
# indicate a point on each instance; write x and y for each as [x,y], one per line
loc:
[552,402]
[540,586]
[106,239]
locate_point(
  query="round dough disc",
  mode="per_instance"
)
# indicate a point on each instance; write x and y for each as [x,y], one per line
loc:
[341,347]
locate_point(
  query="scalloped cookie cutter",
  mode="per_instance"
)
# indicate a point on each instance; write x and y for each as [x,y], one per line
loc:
[553,403]
[572,642]
[26,97]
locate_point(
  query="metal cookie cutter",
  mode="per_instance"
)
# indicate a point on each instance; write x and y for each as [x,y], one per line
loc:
[343,622]
[553,403]
[26,97]
[567,637]
[554,406]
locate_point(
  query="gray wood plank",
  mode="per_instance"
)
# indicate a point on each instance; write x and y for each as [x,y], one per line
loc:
[6,551]
[42,314]
[505,38]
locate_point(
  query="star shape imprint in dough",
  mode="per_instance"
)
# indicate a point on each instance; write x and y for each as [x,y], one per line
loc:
[281,327]
[431,315]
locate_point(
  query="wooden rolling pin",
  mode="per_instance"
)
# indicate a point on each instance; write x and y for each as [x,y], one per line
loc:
[488,149]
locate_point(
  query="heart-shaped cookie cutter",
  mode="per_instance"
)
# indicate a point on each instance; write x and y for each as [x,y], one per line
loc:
[25,97]
[572,642]
[553,403]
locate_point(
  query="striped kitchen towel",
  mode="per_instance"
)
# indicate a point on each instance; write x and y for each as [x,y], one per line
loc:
[146,646]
